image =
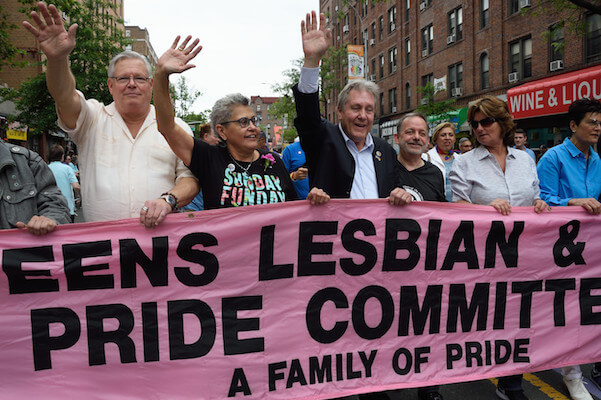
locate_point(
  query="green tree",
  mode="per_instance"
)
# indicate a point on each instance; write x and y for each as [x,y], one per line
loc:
[97,42]
[183,97]
[7,50]
[335,61]
[284,107]
[431,106]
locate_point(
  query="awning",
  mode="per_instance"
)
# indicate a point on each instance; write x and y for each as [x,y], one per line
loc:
[554,95]
[456,116]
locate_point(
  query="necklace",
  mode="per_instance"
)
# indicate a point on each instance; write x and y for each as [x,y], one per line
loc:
[244,169]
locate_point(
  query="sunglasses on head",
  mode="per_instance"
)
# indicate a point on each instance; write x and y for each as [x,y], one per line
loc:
[485,122]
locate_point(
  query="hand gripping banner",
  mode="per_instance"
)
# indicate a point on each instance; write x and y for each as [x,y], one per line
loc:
[291,301]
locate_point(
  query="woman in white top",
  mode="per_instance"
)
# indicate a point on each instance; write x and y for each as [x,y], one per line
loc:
[442,154]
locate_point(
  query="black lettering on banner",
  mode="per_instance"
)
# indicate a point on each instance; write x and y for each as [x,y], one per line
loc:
[507,247]
[187,252]
[458,305]
[463,236]
[150,331]
[77,279]
[18,282]
[178,349]
[131,254]
[274,375]
[350,372]
[526,289]
[232,325]
[409,306]
[559,286]
[588,302]
[419,357]
[519,349]
[320,373]
[98,337]
[339,374]
[43,343]
[500,306]
[307,248]
[313,315]
[267,269]
[296,374]
[358,246]
[385,299]
[239,384]
[473,353]
[392,244]
[454,353]
[501,345]
[368,362]
[567,234]
[432,244]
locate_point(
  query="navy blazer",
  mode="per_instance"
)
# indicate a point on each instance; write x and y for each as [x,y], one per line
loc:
[331,165]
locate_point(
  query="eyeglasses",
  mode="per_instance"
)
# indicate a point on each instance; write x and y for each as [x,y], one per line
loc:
[593,123]
[485,122]
[124,80]
[243,122]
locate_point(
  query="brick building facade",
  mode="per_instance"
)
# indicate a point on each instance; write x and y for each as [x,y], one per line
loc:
[261,106]
[141,43]
[469,47]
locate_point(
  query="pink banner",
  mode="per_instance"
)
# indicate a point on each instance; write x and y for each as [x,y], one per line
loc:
[291,301]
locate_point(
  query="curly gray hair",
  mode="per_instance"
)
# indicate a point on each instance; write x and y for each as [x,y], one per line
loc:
[127,55]
[222,110]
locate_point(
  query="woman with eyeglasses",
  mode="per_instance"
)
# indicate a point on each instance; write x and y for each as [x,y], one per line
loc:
[496,174]
[233,173]
[442,154]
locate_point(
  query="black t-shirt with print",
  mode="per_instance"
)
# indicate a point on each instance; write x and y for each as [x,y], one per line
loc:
[225,184]
[424,183]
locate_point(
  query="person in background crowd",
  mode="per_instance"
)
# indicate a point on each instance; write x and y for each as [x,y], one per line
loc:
[31,198]
[70,162]
[262,142]
[570,175]
[206,135]
[124,161]
[496,174]
[519,140]
[64,176]
[294,159]
[542,149]
[442,154]
[465,145]
[344,159]
[235,173]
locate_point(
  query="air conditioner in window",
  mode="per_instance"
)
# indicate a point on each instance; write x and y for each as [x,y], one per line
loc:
[345,29]
[422,6]
[327,20]
[513,77]
[371,78]
[372,42]
[456,92]
[525,3]
[393,109]
[424,101]
[450,39]
[394,68]
[556,65]
[392,27]
[336,8]
[425,53]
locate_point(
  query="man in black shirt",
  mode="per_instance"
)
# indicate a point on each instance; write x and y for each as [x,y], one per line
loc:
[420,178]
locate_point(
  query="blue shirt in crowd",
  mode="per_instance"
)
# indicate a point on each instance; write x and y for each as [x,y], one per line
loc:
[564,174]
[294,158]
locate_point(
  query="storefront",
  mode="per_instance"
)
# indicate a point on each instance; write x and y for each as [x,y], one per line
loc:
[540,107]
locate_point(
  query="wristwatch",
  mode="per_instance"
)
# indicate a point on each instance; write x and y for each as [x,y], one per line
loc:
[171,199]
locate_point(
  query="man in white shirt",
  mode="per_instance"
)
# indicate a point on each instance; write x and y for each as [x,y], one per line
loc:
[124,160]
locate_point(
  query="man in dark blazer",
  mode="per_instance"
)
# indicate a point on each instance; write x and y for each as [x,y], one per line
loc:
[344,160]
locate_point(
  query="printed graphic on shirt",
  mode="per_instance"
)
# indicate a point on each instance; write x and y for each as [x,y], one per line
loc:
[417,196]
[242,189]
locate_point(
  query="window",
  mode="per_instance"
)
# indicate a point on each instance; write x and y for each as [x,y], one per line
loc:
[392,55]
[455,79]
[373,67]
[127,33]
[407,95]
[381,103]
[381,32]
[364,8]
[593,37]
[407,9]
[427,79]
[516,5]
[373,31]
[407,51]
[392,19]
[520,57]
[427,40]
[258,107]
[484,71]
[381,66]
[556,43]
[392,100]
[455,24]
[484,18]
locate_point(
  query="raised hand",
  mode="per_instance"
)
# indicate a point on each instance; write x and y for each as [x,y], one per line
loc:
[54,40]
[176,59]
[316,39]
